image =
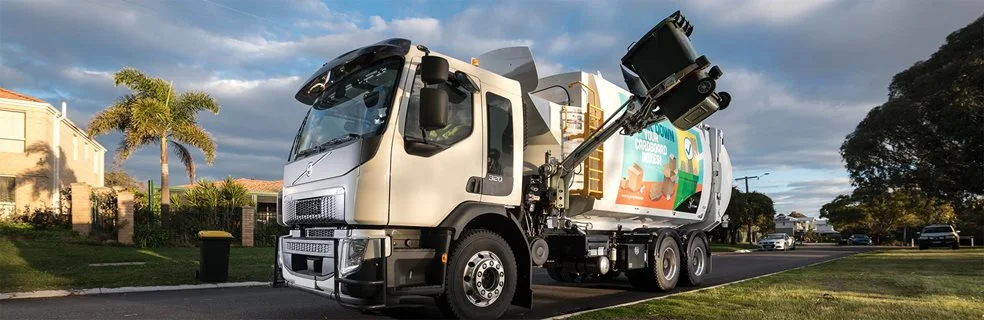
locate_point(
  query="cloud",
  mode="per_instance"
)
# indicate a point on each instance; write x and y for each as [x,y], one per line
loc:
[808,196]
[769,12]
[769,127]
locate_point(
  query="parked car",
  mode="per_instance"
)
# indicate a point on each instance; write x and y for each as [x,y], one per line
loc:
[859,240]
[777,241]
[939,235]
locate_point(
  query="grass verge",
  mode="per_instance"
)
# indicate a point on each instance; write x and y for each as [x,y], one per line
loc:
[897,284]
[27,265]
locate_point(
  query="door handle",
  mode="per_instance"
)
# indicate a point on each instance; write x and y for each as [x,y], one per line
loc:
[474,185]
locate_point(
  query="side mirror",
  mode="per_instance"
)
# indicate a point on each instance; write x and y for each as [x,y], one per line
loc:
[433,108]
[433,70]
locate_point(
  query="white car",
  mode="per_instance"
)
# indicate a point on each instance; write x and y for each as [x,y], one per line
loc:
[777,241]
[939,235]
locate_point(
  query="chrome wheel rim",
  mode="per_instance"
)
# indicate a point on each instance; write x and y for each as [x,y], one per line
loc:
[697,261]
[484,278]
[669,268]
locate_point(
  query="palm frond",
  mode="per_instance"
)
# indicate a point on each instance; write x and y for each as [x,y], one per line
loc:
[185,156]
[115,117]
[188,104]
[150,117]
[196,136]
[142,85]
[131,142]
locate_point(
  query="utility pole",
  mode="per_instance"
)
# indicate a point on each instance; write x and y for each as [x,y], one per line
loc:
[746,191]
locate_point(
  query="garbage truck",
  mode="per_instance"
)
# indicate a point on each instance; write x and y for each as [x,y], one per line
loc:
[417,174]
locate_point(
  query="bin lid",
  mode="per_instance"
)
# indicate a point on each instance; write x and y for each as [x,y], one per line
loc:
[214,234]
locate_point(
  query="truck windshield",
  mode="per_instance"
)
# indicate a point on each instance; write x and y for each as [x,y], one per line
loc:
[355,106]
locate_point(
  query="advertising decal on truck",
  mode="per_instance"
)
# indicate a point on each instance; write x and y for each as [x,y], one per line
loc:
[662,169]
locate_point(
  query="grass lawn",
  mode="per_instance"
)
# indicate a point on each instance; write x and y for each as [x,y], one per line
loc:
[897,284]
[27,265]
[727,247]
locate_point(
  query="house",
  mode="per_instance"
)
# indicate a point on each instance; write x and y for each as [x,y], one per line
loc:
[264,193]
[793,225]
[41,152]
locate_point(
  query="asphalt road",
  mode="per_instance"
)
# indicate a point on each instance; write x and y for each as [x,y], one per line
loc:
[551,298]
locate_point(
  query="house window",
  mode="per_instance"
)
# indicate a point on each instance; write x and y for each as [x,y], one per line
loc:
[8,187]
[95,162]
[75,147]
[86,151]
[11,131]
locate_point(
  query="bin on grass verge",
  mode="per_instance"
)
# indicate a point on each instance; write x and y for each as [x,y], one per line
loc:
[214,247]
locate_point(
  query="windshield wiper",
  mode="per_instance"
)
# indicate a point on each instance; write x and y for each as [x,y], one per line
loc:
[321,147]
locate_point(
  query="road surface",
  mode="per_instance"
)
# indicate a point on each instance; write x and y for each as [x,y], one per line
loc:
[550,298]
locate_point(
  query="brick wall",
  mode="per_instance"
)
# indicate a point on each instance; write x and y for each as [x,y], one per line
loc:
[249,221]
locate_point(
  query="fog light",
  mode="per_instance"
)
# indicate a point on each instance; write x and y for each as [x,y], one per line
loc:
[352,254]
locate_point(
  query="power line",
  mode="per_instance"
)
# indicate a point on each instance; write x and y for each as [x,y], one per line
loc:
[237,10]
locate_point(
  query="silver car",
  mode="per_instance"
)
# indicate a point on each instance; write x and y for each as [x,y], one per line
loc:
[777,241]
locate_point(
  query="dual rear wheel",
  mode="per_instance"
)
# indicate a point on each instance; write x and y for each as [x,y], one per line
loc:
[669,267]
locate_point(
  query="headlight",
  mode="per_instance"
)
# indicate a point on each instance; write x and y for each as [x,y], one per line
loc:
[950,237]
[352,254]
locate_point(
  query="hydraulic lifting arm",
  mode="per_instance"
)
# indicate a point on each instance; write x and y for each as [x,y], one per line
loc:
[629,119]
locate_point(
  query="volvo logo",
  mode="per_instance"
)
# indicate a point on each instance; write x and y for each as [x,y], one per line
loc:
[310,168]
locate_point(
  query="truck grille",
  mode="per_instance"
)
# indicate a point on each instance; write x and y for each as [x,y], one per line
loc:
[317,210]
[325,249]
[320,233]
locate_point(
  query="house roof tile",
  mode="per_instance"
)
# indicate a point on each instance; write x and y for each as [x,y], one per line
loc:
[10,94]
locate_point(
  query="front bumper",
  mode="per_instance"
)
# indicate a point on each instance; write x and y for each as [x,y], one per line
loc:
[328,267]
[937,242]
[771,246]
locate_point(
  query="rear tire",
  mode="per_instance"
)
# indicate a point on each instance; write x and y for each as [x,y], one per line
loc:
[663,271]
[478,254]
[693,271]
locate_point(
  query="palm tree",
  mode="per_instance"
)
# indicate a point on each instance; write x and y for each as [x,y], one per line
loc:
[152,113]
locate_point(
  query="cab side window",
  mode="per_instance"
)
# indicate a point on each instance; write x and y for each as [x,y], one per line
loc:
[499,180]
[460,115]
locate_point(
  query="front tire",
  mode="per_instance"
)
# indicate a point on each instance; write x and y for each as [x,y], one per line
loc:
[481,277]
[663,271]
[694,268]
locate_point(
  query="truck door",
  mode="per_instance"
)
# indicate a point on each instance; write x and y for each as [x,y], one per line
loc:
[503,136]
[429,180]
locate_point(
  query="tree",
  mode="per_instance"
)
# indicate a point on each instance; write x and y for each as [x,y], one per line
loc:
[119,178]
[153,114]
[227,195]
[929,135]
[883,214]
[736,214]
[761,211]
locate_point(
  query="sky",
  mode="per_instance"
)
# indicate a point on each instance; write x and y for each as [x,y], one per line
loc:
[802,74]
